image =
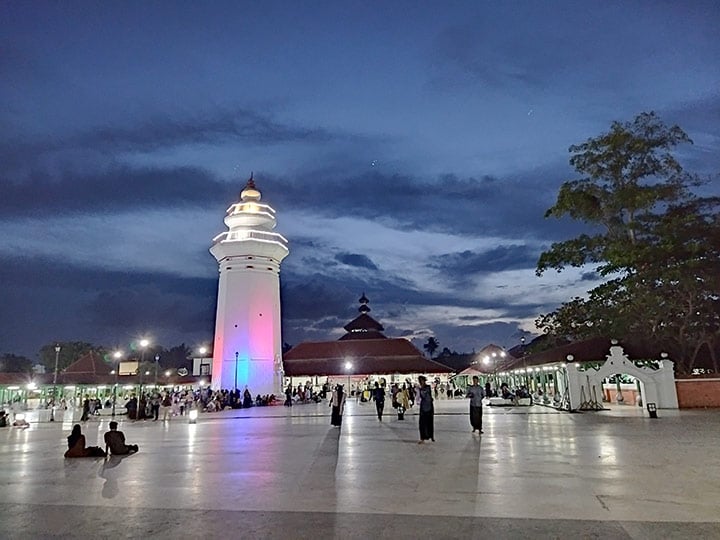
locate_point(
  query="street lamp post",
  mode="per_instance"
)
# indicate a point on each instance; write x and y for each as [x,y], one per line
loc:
[143,345]
[57,357]
[236,364]
[117,355]
[348,367]
[157,360]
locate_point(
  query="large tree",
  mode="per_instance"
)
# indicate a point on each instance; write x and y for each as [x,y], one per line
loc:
[12,363]
[653,239]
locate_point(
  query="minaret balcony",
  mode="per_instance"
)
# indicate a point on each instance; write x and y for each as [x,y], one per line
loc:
[245,235]
[249,242]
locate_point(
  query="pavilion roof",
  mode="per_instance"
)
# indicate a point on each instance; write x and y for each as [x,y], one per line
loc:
[386,355]
[587,350]
[364,322]
[474,369]
[90,363]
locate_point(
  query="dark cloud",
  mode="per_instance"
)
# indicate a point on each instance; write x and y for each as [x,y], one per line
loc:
[315,298]
[47,299]
[356,259]
[112,190]
[465,339]
[468,206]
[700,119]
[469,263]
[554,52]
[160,132]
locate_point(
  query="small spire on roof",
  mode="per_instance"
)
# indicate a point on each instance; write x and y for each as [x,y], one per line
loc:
[250,192]
[364,308]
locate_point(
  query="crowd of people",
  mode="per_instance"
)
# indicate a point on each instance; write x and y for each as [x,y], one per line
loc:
[179,402]
[403,397]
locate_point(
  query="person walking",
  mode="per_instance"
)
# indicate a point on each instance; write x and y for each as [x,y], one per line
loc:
[337,402]
[402,402]
[476,394]
[288,396]
[166,405]
[379,395]
[155,406]
[86,410]
[427,411]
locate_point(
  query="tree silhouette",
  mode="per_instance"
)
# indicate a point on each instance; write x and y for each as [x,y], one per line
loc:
[431,345]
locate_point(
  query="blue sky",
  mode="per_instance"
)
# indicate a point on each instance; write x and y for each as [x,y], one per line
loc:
[410,150]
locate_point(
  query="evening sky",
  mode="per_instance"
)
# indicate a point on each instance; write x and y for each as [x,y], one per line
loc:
[409,148]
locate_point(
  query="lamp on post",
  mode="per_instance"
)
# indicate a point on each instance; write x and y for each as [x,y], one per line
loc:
[157,363]
[203,352]
[236,364]
[54,402]
[143,345]
[348,367]
[116,355]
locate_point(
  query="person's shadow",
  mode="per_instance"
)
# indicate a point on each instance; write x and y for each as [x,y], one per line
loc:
[111,487]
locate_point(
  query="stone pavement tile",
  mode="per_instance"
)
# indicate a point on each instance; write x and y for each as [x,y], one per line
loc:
[642,530]
[57,521]
[533,473]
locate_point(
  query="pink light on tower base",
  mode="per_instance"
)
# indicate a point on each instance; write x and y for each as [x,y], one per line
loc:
[248,307]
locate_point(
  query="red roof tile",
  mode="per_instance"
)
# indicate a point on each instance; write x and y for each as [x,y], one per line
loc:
[396,355]
[363,322]
[91,363]
[593,349]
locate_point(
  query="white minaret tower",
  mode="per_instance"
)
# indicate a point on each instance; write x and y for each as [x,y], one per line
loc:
[248,346]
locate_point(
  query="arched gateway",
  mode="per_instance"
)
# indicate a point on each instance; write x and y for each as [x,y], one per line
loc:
[585,385]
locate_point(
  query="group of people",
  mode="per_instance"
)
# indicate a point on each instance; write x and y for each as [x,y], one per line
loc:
[177,403]
[114,444]
[18,420]
[475,392]
[305,393]
[402,398]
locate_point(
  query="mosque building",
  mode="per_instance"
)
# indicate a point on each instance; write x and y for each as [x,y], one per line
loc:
[363,354]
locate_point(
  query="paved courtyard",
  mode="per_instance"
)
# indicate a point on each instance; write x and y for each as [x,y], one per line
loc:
[285,473]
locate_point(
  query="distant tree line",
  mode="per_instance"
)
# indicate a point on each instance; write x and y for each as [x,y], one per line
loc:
[70,351]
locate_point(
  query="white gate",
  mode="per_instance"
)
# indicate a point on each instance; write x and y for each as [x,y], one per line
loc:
[585,387]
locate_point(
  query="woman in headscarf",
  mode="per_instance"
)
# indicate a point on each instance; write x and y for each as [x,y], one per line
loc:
[338,406]
[76,445]
[427,411]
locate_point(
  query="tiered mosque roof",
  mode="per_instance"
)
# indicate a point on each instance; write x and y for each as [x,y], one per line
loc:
[363,350]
